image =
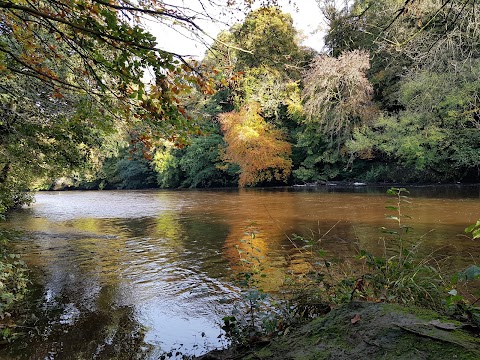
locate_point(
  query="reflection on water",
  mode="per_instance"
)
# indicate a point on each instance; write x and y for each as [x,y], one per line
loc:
[162,260]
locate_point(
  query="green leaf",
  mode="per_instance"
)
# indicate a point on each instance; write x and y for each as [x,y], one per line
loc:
[476,234]
[470,273]
[474,229]
[323,253]
[394,208]
[470,228]
[454,278]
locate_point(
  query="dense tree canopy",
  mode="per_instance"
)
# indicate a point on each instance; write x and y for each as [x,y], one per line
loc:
[394,97]
[424,57]
[101,49]
[73,74]
[259,65]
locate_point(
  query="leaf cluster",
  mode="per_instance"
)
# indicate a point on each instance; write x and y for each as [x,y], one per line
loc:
[256,146]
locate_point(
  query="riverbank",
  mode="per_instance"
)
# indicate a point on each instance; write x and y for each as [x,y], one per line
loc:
[364,330]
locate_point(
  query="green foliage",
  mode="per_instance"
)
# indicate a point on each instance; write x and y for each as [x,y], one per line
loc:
[396,100]
[203,166]
[474,229]
[197,165]
[13,194]
[321,158]
[425,82]
[457,300]
[94,49]
[267,87]
[14,282]
[167,166]
[437,133]
[337,100]
[268,38]
[260,62]
[132,171]
[43,137]
[71,73]
[358,26]
[307,175]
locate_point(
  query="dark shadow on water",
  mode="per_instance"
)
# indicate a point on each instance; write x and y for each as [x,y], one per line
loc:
[61,331]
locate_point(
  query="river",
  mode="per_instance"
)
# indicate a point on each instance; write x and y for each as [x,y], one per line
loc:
[159,264]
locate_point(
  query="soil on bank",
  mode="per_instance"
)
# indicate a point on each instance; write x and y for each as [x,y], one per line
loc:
[369,331]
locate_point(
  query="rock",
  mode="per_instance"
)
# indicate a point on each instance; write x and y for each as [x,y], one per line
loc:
[385,331]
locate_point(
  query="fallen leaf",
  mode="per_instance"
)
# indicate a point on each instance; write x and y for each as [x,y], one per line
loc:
[355,319]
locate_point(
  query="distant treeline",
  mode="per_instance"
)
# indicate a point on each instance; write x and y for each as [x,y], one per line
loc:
[394,97]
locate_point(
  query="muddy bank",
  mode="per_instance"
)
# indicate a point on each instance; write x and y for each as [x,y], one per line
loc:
[369,331]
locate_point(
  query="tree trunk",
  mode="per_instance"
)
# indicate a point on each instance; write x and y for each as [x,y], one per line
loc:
[4,173]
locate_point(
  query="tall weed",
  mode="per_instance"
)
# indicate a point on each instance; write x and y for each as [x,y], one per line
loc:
[400,274]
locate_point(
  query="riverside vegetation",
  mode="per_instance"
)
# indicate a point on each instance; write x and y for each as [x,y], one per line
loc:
[14,287]
[393,97]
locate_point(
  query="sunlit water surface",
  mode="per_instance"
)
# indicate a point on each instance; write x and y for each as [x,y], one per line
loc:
[163,260]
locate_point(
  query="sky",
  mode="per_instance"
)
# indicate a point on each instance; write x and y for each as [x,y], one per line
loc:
[307,18]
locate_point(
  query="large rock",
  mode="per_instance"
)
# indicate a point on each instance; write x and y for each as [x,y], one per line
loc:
[370,331]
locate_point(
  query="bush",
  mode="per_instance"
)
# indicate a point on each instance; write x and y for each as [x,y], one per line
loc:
[13,287]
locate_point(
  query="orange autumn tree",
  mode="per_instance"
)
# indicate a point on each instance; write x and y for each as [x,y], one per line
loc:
[256,146]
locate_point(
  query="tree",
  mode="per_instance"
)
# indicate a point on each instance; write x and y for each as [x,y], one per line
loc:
[260,60]
[434,33]
[133,171]
[100,48]
[438,133]
[41,135]
[424,63]
[337,98]
[268,39]
[337,94]
[166,163]
[402,35]
[75,67]
[203,165]
[358,26]
[105,47]
[256,146]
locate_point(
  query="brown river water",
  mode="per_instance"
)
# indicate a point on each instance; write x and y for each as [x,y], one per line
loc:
[112,263]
